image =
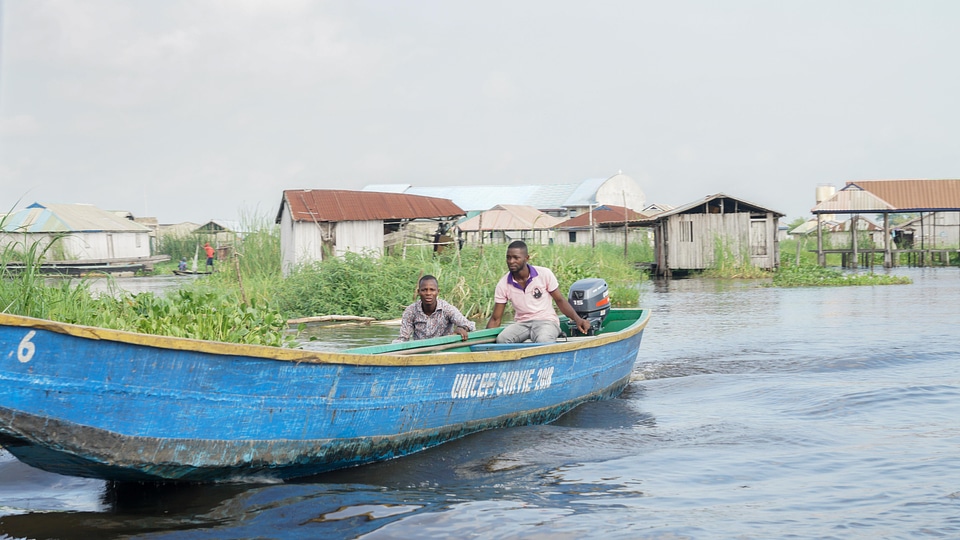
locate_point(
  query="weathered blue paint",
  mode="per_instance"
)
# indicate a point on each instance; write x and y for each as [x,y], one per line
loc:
[119,406]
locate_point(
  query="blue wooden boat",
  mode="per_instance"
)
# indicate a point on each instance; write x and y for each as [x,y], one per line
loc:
[121,406]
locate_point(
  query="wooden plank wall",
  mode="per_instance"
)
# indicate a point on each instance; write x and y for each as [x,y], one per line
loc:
[698,253]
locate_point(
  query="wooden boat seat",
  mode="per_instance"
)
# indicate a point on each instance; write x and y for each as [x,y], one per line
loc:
[481,347]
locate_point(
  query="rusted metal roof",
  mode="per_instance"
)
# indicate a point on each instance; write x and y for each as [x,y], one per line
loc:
[915,195]
[510,217]
[331,205]
[608,214]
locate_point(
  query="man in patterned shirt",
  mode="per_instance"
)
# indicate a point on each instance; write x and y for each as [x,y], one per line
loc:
[432,317]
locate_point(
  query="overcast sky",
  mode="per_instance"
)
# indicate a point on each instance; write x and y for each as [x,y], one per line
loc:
[197,110]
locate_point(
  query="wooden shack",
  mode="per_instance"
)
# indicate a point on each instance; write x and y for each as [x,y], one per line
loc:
[697,235]
[319,223]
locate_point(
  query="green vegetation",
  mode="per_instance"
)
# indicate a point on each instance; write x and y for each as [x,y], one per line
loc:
[200,314]
[382,287]
[248,301]
[813,275]
[727,264]
[806,273]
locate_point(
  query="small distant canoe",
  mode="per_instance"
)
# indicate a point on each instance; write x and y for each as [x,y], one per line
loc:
[66,269]
[120,406]
[190,273]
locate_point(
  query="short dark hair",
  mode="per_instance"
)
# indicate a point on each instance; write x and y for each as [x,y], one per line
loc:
[427,277]
[518,244]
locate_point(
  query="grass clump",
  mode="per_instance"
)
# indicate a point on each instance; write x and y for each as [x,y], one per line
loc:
[184,313]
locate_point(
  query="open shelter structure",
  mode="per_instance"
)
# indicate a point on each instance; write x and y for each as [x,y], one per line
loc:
[508,222]
[929,198]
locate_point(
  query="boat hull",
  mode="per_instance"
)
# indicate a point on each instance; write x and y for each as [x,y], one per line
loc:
[118,406]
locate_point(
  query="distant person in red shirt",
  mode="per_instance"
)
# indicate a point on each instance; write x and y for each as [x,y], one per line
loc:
[210,252]
[532,290]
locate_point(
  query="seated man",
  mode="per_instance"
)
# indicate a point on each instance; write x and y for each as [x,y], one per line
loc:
[524,287]
[432,317]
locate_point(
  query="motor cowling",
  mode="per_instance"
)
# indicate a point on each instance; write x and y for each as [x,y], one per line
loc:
[590,298]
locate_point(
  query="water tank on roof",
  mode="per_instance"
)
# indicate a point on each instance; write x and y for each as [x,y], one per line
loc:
[825,192]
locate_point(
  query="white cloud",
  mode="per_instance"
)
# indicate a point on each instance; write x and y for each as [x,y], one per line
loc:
[122,55]
[19,125]
[499,85]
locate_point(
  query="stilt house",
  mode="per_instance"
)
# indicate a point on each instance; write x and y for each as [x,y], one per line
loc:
[698,235]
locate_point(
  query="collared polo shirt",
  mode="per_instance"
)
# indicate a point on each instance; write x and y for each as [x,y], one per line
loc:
[533,303]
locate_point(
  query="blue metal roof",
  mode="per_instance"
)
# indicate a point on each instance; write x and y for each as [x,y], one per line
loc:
[585,193]
[485,197]
[67,218]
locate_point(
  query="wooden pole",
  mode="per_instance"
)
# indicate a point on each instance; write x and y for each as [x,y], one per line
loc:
[236,264]
[626,229]
[887,253]
[853,231]
[821,258]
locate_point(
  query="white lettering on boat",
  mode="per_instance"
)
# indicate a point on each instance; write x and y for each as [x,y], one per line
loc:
[27,348]
[473,385]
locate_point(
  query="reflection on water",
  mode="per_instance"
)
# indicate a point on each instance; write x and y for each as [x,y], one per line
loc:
[157,284]
[755,412]
[340,336]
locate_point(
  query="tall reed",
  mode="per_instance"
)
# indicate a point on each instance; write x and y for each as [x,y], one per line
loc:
[382,287]
[728,262]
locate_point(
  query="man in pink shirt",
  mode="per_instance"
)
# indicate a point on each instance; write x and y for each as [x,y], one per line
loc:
[532,290]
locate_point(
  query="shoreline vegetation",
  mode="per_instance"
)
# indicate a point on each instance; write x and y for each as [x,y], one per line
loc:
[247,300]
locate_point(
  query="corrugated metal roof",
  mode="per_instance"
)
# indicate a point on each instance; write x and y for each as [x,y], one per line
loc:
[388,188]
[915,195]
[585,193]
[806,227]
[551,196]
[510,217]
[602,214]
[218,225]
[852,200]
[323,205]
[485,197]
[479,197]
[740,202]
[656,208]
[66,218]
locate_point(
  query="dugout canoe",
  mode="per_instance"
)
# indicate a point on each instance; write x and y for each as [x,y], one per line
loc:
[191,273]
[122,406]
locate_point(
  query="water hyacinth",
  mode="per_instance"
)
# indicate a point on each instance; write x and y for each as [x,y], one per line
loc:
[811,275]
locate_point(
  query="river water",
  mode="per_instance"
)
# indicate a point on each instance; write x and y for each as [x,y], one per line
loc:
[754,413]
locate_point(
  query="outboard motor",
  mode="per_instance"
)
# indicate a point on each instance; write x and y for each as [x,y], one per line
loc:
[591,300]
